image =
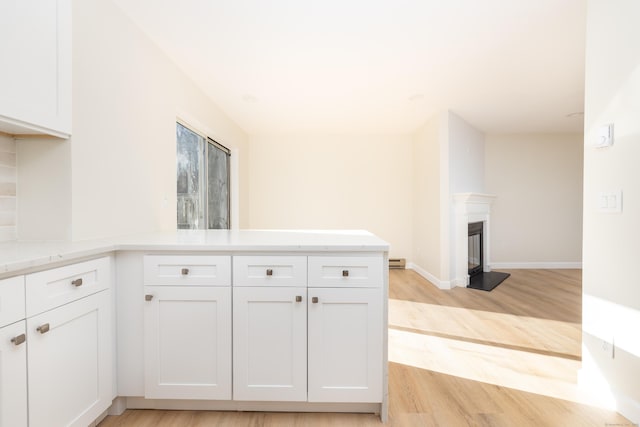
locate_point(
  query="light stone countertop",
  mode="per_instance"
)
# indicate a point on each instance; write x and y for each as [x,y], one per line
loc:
[25,255]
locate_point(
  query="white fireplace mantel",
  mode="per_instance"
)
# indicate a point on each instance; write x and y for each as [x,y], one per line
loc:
[470,207]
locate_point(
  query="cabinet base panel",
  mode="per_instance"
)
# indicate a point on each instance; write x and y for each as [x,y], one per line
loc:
[229,405]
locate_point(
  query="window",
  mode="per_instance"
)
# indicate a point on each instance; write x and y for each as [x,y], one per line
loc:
[202,181]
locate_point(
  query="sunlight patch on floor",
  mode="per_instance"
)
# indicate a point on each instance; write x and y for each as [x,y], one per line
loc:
[521,370]
[541,335]
[541,356]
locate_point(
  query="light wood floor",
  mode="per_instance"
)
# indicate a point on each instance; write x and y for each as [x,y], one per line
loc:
[460,357]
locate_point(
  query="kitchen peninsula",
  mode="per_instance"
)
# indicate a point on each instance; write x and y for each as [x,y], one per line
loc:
[220,320]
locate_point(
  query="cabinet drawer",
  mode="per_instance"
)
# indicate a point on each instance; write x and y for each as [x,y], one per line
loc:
[194,270]
[345,271]
[51,288]
[270,271]
[11,300]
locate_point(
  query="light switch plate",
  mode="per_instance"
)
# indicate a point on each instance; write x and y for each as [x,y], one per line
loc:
[610,201]
[605,136]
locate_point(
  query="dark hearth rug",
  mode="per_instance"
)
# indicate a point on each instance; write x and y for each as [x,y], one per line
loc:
[487,281]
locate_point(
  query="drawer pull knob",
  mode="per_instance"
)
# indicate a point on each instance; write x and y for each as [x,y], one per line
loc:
[43,329]
[314,300]
[184,271]
[298,298]
[148,297]
[77,282]
[269,272]
[345,273]
[19,339]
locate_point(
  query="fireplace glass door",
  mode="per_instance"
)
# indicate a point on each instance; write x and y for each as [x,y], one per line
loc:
[474,259]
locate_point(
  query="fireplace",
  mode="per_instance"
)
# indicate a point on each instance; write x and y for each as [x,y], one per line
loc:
[471,255]
[475,261]
[472,228]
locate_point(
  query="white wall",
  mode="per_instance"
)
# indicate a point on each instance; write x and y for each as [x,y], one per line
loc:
[465,147]
[448,158]
[426,199]
[536,218]
[466,157]
[127,96]
[334,182]
[611,288]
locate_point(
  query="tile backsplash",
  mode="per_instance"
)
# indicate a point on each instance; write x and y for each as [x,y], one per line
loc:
[8,174]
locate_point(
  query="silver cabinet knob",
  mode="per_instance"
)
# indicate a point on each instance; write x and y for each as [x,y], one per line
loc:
[148,297]
[314,300]
[19,339]
[269,272]
[77,282]
[43,329]
[298,298]
[184,271]
[345,273]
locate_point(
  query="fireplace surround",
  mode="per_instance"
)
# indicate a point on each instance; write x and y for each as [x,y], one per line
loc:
[470,208]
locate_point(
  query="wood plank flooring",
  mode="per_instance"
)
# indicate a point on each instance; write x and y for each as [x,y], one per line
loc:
[460,357]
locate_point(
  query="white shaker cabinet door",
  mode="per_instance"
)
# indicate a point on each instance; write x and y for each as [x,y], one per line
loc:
[69,363]
[187,342]
[345,345]
[13,376]
[35,77]
[270,344]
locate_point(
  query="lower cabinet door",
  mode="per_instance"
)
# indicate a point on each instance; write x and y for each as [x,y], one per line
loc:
[345,345]
[187,347]
[13,375]
[70,363]
[270,344]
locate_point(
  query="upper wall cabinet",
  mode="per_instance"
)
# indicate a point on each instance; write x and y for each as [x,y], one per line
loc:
[35,77]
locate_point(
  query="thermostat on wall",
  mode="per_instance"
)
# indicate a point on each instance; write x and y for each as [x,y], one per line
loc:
[605,136]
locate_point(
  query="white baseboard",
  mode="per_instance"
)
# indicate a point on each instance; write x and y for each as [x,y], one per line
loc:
[235,405]
[441,284]
[450,284]
[536,265]
[628,408]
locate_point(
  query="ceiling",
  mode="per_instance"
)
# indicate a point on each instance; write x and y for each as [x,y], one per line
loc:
[378,66]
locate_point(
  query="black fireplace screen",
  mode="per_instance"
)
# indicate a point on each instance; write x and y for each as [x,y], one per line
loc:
[474,259]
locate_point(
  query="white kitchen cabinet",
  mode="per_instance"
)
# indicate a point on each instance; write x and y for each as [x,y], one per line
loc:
[69,339]
[69,363]
[345,271]
[35,79]
[13,375]
[192,270]
[287,353]
[58,286]
[13,354]
[187,336]
[12,297]
[270,343]
[275,270]
[345,344]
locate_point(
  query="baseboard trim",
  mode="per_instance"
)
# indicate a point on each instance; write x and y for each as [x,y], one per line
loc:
[440,284]
[628,408]
[234,405]
[537,265]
